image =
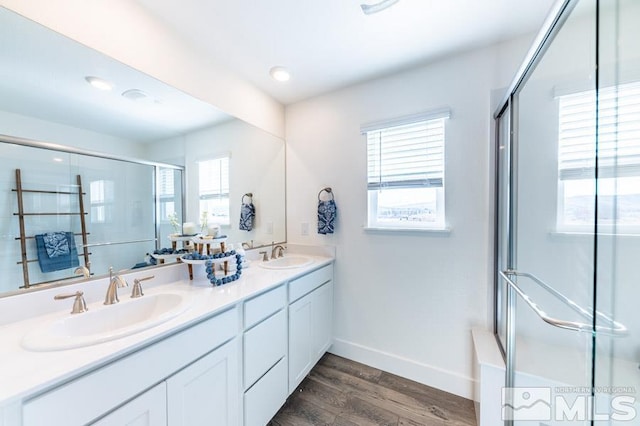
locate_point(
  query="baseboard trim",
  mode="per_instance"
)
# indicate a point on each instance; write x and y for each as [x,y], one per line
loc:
[429,375]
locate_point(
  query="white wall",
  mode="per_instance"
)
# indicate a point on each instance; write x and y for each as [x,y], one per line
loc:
[127,32]
[46,131]
[170,151]
[405,302]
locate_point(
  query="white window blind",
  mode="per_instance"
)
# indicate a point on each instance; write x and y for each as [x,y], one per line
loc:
[166,181]
[409,155]
[618,133]
[214,178]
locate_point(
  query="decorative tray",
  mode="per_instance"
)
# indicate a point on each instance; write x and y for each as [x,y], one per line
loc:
[193,261]
[199,240]
[166,257]
[214,258]
[182,237]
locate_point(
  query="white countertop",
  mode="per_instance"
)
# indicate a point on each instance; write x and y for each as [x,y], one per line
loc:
[24,373]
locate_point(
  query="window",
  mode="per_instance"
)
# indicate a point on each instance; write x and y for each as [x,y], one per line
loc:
[405,172]
[618,155]
[214,189]
[166,191]
[101,197]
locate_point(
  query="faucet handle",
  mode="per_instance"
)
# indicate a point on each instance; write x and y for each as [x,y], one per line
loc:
[265,256]
[137,287]
[79,305]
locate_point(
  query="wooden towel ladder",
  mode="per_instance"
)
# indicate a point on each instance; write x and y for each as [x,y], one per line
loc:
[23,236]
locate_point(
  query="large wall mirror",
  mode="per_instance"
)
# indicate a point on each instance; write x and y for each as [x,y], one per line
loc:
[147,156]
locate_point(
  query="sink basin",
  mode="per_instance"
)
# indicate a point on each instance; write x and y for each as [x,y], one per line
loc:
[104,323]
[287,262]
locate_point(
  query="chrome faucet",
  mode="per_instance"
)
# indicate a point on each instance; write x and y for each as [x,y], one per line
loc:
[277,251]
[82,270]
[115,281]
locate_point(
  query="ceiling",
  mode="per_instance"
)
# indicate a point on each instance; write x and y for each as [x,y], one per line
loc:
[43,76]
[328,44]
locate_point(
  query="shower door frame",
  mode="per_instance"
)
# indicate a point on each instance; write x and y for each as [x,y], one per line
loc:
[554,22]
[558,15]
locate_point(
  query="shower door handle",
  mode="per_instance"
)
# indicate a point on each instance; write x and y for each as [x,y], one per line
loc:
[614,328]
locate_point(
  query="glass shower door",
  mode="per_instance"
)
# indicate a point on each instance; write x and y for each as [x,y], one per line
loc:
[568,229]
[550,274]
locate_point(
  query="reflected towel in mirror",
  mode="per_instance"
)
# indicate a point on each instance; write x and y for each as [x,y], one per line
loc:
[247,214]
[56,243]
[60,262]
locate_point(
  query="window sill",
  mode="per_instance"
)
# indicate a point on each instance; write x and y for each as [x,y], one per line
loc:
[583,234]
[380,230]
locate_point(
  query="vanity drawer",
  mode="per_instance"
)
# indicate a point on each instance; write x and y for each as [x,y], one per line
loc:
[265,398]
[77,403]
[260,307]
[306,284]
[264,345]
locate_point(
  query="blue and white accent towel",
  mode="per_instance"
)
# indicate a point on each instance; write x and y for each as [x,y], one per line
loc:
[56,244]
[327,211]
[60,261]
[247,216]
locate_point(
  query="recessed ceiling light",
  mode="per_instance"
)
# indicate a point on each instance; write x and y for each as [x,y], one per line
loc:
[370,9]
[99,83]
[58,159]
[135,95]
[140,96]
[280,74]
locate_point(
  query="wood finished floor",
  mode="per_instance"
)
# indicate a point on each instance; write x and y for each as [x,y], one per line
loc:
[340,392]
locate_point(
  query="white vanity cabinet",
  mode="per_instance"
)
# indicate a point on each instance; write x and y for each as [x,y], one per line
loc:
[184,360]
[310,322]
[206,392]
[148,409]
[234,367]
[203,393]
[265,356]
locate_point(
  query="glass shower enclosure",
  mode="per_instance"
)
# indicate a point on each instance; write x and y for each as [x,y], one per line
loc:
[567,278]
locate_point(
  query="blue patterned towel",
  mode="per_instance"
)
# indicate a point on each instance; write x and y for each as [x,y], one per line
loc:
[247,215]
[61,262]
[327,211]
[56,244]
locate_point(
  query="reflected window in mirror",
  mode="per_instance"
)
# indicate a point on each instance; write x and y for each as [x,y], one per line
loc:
[101,196]
[166,192]
[213,189]
[616,151]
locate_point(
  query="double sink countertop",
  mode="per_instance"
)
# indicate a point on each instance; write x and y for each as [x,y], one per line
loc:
[24,373]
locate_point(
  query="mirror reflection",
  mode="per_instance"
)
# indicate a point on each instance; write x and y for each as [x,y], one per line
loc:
[132,205]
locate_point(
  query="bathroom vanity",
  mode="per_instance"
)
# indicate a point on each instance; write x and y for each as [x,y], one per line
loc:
[229,355]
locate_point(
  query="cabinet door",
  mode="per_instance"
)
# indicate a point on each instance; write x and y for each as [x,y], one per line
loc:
[148,409]
[299,340]
[321,321]
[310,331]
[207,392]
